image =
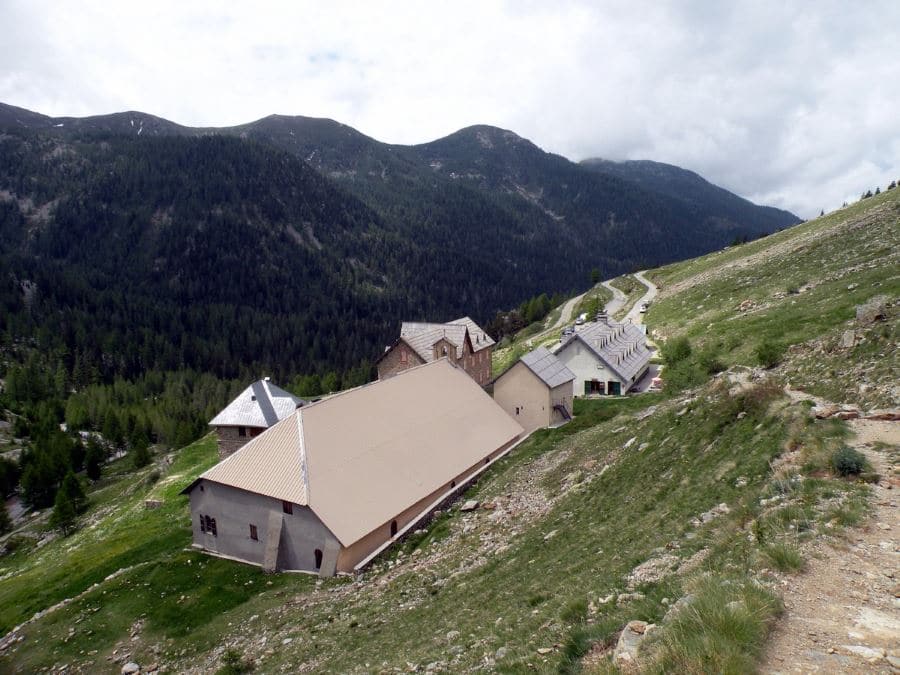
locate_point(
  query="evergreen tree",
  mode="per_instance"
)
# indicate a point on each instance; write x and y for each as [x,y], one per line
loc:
[63,516]
[5,520]
[71,487]
[140,454]
[94,459]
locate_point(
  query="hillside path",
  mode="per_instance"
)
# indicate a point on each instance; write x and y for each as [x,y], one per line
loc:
[618,299]
[566,314]
[634,314]
[842,615]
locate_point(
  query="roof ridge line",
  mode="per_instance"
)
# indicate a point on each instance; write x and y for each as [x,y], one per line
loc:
[304,468]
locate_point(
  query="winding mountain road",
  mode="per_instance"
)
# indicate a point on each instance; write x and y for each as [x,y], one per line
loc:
[634,314]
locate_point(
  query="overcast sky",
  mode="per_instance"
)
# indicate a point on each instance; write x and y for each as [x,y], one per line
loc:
[794,104]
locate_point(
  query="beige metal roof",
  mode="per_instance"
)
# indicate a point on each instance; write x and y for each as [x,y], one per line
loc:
[274,460]
[261,404]
[361,457]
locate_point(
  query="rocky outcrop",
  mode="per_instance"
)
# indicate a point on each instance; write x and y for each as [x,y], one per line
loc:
[872,311]
[625,656]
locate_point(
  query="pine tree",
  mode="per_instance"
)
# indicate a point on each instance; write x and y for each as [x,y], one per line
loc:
[71,486]
[63,516]
[140,453]
[93,459]
[5,520]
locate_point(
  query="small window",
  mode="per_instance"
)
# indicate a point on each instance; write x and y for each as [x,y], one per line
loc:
[287,507]
[242,431]
[254,535]
[318,555]
[254,432]
[453,483]
[487,459]
[253,397]
[444,350]
[393,528]
[517,410]
[404,357]
[211,526]
[201,489]
[202,523]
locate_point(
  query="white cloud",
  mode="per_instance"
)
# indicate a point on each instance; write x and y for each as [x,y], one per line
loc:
[793,104]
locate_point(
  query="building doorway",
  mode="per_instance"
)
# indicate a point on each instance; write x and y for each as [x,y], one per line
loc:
[614,388]
[318,555]
[593,388]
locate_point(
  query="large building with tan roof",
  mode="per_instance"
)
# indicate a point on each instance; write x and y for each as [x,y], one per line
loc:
[462,341]
[336,481]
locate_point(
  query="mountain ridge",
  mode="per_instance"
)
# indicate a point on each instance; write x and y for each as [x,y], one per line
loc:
[135,209]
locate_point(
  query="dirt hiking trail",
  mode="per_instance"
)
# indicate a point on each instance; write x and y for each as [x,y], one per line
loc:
[842,615]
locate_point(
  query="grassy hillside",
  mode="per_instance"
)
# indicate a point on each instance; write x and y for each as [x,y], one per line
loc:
[711,491]
[798,291]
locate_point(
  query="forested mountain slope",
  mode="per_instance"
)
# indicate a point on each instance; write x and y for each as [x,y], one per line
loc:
[692,509]
[149,245]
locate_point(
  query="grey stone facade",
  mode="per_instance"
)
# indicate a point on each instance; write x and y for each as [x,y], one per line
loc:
[235,510]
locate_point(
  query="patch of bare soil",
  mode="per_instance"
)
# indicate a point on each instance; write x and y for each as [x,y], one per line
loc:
[843,614]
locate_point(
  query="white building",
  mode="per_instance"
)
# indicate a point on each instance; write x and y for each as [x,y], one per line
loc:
[607,358]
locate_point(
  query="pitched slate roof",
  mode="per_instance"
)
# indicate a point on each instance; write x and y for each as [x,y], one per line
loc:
[361,457]
[422,336]
[262,404]
[547,367]
[479,338]
[621,346]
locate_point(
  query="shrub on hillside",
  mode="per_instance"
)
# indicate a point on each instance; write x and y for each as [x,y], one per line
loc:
[676,350]
[768,353]
[848,462]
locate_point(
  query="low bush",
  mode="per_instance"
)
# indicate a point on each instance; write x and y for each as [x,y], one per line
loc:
[847,462]
[722,630]
[676,350]
[768,354]
[233,663]
[784,557]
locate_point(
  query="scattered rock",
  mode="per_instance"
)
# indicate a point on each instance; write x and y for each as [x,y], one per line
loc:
[680,604]
[872,311]
[884,415]
[629,442]
[848,339]
[628,597]
[470,505]
[150,504]
[130,668]
[867,653]
[544,650]
[746,305]
[501,653]
[452,635]
[625,654]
